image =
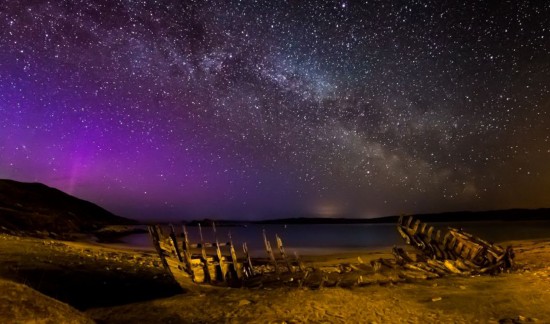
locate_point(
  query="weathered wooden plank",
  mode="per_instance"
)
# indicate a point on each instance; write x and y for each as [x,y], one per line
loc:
[206,266]
[153,231]
[221,261]
[283,254]
[400,221]
[237,268]
[451,266]
[401,255]
[423,228]
[409,222]
[404,235]
[415,226]
[270,254]
[437,265]
[249,269]
[187,252]
[174,244]
[429,234]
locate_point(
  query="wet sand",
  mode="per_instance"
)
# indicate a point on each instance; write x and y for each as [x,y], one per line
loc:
[110,284]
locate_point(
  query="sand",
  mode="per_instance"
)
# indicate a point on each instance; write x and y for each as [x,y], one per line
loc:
[79,282]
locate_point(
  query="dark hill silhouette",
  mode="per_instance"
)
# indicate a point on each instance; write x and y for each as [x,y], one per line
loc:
[32,207]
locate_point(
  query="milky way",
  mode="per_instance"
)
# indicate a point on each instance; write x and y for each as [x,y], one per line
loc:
[257,109]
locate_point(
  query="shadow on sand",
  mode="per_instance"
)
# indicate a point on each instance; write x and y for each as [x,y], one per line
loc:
[85,288]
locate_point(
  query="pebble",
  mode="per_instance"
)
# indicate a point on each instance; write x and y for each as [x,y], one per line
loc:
[244,302]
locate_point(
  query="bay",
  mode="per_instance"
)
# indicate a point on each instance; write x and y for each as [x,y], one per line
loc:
[324,239]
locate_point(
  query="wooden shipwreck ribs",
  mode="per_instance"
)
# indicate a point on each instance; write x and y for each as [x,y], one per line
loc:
[185,260]
[456,251]
[438,254]
[195,263]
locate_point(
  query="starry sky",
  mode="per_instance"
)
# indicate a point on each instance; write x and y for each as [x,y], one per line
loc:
[177,109]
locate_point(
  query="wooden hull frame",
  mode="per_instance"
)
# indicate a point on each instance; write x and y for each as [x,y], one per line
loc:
[455,245]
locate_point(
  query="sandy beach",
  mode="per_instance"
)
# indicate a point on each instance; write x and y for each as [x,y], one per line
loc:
[47,281]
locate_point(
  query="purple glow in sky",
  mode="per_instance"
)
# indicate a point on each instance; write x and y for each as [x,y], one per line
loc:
[259,109]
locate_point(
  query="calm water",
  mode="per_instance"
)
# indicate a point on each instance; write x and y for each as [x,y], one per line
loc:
[326,239]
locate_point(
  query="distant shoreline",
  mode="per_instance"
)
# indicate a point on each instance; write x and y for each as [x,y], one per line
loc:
[509,215]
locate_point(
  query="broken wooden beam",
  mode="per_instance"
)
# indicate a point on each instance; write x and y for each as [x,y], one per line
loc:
[221,264]
[283,254]
[187,252]
[248,268]
[270,254]
[204,259]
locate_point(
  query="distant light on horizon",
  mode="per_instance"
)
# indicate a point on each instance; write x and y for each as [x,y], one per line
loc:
[328,210]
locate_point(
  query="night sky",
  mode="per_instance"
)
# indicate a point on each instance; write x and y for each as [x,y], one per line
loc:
[260,109]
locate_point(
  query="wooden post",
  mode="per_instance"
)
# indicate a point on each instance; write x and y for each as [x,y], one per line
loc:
[207,277]
[283,254]
[187,251]
[219,253]
[415,226]
[409,222]
[236,266]
[430,233]
[270,253]
[154,232]
[404,234]
[423,228]
[174,244]
[248,260]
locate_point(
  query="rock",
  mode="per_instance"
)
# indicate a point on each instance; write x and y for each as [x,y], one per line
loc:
[244,302]
[436,299]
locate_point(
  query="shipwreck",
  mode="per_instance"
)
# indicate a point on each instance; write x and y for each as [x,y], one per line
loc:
[435,254]
[455,251]
[217,263]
